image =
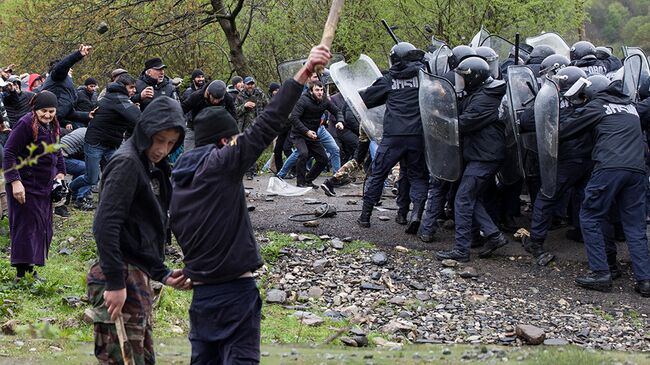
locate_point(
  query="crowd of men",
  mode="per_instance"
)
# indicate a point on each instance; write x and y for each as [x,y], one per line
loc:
[599,182]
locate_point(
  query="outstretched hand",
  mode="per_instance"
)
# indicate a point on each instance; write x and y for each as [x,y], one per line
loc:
[85,50]
[319,56]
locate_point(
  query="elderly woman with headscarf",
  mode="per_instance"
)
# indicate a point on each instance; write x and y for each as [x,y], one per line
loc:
[29,186]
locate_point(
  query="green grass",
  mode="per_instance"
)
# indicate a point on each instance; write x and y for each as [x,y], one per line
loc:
[31,302]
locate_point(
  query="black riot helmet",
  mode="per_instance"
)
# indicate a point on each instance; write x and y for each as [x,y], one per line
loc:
[584,89]
[567,77]
[405,52]
[553,63]
[492,59]
[603,53]
[541,52]
[471,73]
[583,50]
[458,54]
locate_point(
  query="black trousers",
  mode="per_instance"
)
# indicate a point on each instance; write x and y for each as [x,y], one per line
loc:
[225,323]
[309,148]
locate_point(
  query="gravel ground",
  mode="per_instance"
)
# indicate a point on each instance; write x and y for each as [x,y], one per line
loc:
[509,290]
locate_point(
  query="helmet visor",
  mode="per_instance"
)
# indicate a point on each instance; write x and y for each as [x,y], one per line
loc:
[459,83]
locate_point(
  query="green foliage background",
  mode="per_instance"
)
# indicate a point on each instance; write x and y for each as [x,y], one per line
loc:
[33,32]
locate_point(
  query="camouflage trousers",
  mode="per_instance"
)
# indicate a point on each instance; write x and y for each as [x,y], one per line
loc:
[137,313]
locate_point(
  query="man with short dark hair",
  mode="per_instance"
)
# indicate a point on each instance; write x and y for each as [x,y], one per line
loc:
[250,103]
[87,95]
[153,83]
[306,119]
[198,80]
[16,101]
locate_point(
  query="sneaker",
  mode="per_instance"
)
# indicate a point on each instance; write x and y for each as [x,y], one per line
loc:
[328,188]
[84,204]
[62,211]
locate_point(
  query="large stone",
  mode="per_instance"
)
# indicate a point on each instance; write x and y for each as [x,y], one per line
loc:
[315,292]
[319,266]
[449,263]
[468,272]
[392,346]
[276,296]
[370,286]
[531,334]
[379,258]
[398,325]
[398,300]
[311,224]
[336,244]
[308,318]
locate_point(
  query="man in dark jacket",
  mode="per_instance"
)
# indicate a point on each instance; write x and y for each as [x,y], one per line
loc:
[619,176]
[153,83]
[250,103]
[16,101]
[60,83]
[306,118]
[483,146]
[198,80]
[402,140]
[220,258]
[87,96]
[213,94]
[130,230]
[116,115]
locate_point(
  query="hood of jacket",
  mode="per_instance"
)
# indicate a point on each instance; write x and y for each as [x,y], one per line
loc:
[163,113]
[116,87]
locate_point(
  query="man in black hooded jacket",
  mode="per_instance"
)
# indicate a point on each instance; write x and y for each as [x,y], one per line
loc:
[130,230]
[220,256]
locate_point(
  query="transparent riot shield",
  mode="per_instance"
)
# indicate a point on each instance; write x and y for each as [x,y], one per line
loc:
[479,38]
[632,68]
[500,45]
[645,67]
[351,79]
[552,40]
[547,114]
[439,113]
[288,69]
[439,60]
[522,87]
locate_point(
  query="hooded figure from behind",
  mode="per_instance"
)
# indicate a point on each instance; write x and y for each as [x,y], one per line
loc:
[130,229]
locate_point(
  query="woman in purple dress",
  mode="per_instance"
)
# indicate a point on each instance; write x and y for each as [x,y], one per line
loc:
[29,187]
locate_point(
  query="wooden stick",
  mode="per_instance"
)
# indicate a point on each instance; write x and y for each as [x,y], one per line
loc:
[125,346]
[330,26]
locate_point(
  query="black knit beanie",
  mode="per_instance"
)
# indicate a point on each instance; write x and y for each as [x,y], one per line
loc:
[44,99]
[212,124]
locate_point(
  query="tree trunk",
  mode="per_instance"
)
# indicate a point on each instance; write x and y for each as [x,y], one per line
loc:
[228,24]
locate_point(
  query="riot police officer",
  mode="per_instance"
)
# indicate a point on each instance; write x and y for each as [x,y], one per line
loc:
[402,139]
[619,176]
[483,148]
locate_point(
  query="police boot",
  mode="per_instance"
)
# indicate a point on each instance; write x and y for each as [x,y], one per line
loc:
[535,248]
[415,219]
[494,242]
[596,281]
[364,218]
[400,218]
[614,267]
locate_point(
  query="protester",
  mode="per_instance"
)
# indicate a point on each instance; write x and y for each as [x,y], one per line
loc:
[130,230]
[220,257]
[29,186]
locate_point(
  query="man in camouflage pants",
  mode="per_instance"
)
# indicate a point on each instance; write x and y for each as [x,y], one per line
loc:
[250,103]
[351,168]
